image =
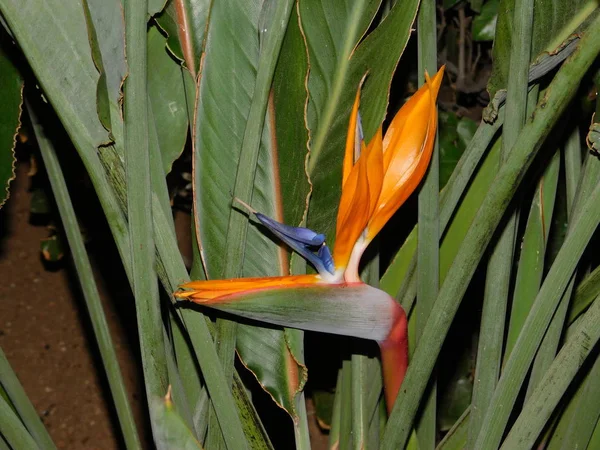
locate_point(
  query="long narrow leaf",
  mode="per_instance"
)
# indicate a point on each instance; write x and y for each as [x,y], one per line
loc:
[18,397]
[88,286]
[428,249]
[12,429]
[552,387]
[478,236]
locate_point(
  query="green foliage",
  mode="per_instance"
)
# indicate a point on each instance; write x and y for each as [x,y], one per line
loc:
[260,93]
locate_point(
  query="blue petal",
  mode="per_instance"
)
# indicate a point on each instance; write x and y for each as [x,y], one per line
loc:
[325,256]
[299,234]
[304,241]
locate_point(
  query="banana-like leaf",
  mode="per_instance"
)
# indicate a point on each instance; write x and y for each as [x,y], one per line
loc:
[171,431]
[184,21]
[11,86]
[333,31]
[65,51]
[106,32]
[168,102]
[552,25]
[356,309]
[226,90]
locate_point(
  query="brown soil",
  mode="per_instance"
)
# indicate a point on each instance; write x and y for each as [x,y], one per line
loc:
[48,340]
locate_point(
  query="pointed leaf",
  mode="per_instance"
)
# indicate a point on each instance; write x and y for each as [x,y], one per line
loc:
[171,432]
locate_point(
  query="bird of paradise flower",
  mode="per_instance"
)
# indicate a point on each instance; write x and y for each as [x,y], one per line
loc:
[377,180]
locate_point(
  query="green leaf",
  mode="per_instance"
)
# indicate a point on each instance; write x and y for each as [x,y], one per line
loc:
[11,86]
[87,283]
[184,22]
[456,438]
[323,401]
[139,206]
[12,429]
[533,251]
[171,432]
[428,248]
[484,24]
[559,376]
[581,414]
[289,101]
[398,268]
[57,43]
[552,26]
[13,394]
[106,33]
[155,6]
[167,100]
[585,294]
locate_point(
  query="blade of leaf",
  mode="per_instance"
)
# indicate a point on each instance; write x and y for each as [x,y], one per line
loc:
[499,268]
[167,101]
[586,411]
[456,438]
[585,294]
[12,429]
[171,431]
[185,21]
[554,384]
[88,287]
[137,173]
[428,248]
[548,348]
[18,397]
[533,248]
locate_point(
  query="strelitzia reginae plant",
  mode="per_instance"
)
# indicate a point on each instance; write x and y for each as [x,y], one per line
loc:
[377,180]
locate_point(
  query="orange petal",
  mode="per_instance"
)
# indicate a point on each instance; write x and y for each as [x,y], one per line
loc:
[199,291]
[351,138]
[407,145]
[359,199]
